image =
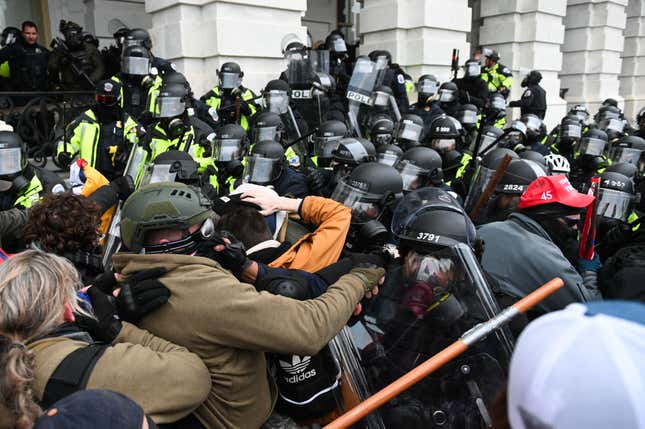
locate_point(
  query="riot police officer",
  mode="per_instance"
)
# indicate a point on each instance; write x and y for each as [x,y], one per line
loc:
[27,61]
[141,37]
[74,64]
[426,106]
[382,130]
[409,131]
[234,103]
[394,78]
[472,88]
[22,184]
[589,158]
[112,54]
[103,135]
[449,98]
[10,35]
[339,66]
[495,110]
[534,97]
[371,190]
[136,79]
[498,76]
[266,165]
[230,146]
[420,167]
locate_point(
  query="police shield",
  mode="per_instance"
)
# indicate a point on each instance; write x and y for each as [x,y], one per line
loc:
[359,91]
[423,307]
[320,60]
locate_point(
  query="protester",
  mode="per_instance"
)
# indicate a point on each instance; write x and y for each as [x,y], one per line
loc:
[52,345]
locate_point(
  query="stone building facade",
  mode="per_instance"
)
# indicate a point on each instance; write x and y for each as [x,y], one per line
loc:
[587,50]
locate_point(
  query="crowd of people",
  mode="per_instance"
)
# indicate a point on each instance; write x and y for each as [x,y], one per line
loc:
[269,261]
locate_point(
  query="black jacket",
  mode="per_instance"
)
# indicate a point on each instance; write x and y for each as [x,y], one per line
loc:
[533,101]
[472,90]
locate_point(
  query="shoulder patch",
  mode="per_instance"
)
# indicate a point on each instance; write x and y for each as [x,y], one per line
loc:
[400,78]
[527,93]
[506,70]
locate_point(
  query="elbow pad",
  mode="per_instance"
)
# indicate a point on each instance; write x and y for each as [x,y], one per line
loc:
[289,283]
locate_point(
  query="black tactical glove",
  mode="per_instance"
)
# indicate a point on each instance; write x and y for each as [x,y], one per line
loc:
[123,186]
[141,294]
[315,181]
[232,258]
[106,282]
[109,325]
[619,234]
[64,159]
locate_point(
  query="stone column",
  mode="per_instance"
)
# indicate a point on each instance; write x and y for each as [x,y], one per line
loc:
[592,51]
[200,35]
[420,34]
[528,34]
[632,77]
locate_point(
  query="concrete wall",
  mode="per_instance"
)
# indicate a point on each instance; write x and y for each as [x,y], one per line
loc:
[632,76]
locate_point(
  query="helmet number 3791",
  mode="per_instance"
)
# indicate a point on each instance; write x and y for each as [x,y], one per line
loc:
[428,236]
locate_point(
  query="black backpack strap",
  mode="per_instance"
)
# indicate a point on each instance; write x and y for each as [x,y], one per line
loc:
[72,373]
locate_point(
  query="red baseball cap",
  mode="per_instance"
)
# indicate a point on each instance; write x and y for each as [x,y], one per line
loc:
[553,189]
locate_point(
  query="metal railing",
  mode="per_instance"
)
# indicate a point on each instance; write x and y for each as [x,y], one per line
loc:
[40,118]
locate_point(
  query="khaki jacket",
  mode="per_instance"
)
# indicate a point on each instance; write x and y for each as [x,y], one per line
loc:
[230,326]
[316,250]
[165,379]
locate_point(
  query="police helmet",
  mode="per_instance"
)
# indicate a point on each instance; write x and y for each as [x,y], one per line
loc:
[230,143]
[494,158]
[534,156]
[388,154]
[265,163]
[368,190]
[327,139]
[616,196]
[382,130]
[13,159]
[336,43]
[171,101]
[420,166]
[10,35]
[448,92]
[624,168]
[409,131]
[630,149]
[354,151]
[592,143]
[107,92]
[581,112]
[492,54]
[446,133]
[138,37]
[266,125]
[427,86]
[276,96]
[495,102]
[381,96]
[489,136]
[230,75]
[519,174]
[181,163]
[468,116]
[472,68]
[533,125]
[135,61]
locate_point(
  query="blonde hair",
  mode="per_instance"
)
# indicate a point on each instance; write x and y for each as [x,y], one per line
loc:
[34,288]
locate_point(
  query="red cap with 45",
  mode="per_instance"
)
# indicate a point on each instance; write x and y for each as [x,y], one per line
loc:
[553,189]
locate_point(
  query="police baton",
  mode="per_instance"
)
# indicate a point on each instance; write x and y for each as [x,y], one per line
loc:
[490,188]
[468,339]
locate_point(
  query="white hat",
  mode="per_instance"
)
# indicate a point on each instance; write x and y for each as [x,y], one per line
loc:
[581,367]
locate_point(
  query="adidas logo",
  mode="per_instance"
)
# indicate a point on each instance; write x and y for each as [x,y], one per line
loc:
[297,365]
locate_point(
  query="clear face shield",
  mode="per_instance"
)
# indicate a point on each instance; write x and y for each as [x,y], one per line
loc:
[583,116]
[628,155]
[9,39]
[533,124]
[487,142]
[443,145]
[613,125]
[339,46]
[324,147]
[571,131]
[135,66]
[591,146]
[227,150]
[427,87]
[169,107]
[433,299]
[265,133]
[277,101]
[380,99]
[614,204]
[260,170]
[468,118]
[482,176]
[447,95]
[229,80]
[10,161]
[473,69]
[413,176]
[409,131]
[498,103]
[365,206]
[388,158]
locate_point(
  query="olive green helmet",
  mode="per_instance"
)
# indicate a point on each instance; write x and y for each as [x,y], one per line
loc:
[161,206]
